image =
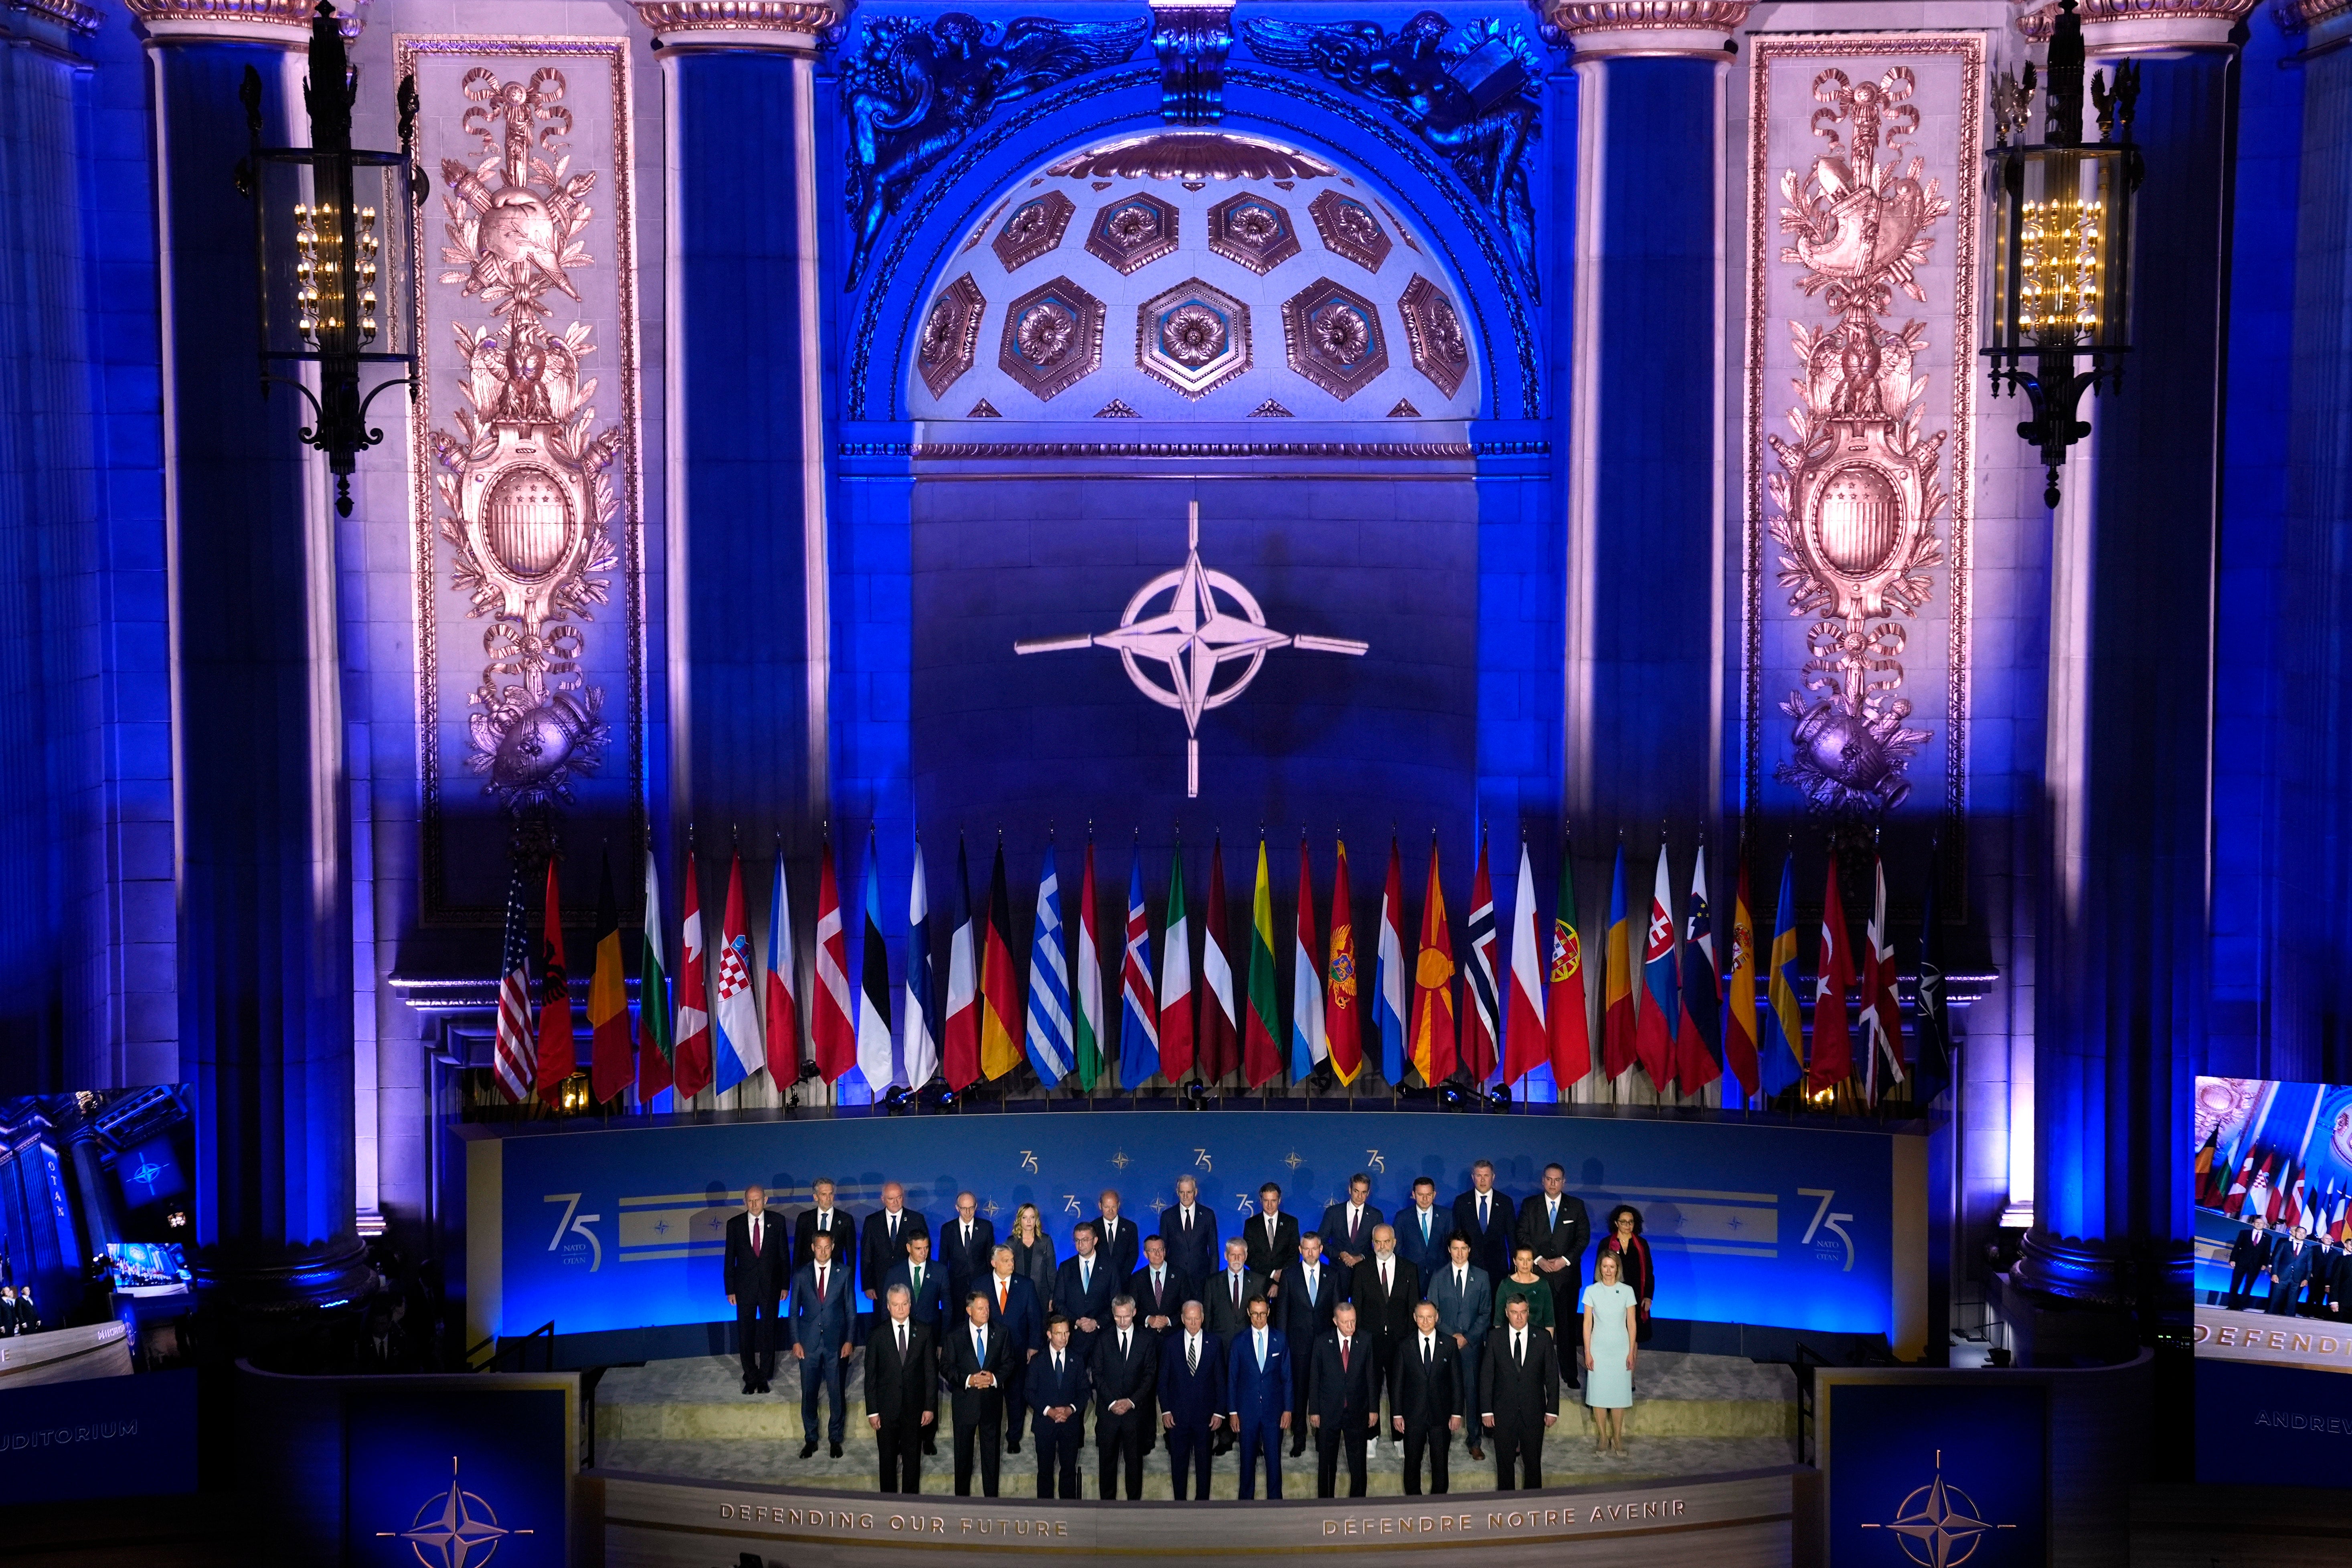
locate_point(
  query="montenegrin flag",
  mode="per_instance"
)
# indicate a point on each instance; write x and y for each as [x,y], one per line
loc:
[1571,1027]
[1308,1044]
[1781,1064]
[741,1052]
[1343,1029]
[1432,981]
[959,1035]
[1653,1036]
[1176,979]
[693,994]
[1138,1020]
[1617,1052]
[835,1030]
[654,1069]
[1526,1043]
[1389,977]
[1261,1053]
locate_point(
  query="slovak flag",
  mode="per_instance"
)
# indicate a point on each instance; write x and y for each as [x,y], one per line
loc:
[1653,1036]
[740,1050]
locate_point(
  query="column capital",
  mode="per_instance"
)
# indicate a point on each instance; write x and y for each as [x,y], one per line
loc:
[2325,19]
[2111,27]
[71,15]
[1698,28]
[282,22]
[794,26]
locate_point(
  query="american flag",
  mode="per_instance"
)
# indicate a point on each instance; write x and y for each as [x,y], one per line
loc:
[517,1056]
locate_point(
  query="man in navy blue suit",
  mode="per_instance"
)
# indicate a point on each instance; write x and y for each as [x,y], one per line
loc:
[1082,1290]
[926,1284]
[1190,1232]
[1013,1305]
[1058,1388]
[1257,1380]
[1126,1368]
[1422,1230]
[2293,1257]
[1485,1214]
[1343,1403]
[1192,1400]
[1303,1313]
[965,1243]
[1346,1227]
[820,1330]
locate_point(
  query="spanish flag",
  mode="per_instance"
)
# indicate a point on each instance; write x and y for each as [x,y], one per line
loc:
[1342,1028]
[613,1057]
[1000,987]
[1783,1022]
[1617,1024]
[1740,1011]
[1433,985]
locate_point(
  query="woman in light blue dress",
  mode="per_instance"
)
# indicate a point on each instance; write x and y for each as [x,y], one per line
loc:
[1609,1350]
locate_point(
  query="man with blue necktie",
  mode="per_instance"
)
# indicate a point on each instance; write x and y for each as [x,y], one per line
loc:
[1083,1289]
[977,1359]
[1485,1214]
[1257,1374]
[1465,1300]
[1192,1400]
[1346,1227]
[1422,1229]
[1303,1313]
[1058,1386]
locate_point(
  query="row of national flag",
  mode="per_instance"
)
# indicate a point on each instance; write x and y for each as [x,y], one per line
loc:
[2270,1185]
[1491,1011]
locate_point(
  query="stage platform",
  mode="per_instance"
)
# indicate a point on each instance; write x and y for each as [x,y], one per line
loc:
[1693,1415]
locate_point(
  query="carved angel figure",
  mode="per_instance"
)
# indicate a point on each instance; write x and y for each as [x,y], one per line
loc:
[1473,102]
[915,92]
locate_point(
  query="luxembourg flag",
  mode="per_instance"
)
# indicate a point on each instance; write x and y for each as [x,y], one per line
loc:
[740,1052]
[1526,1043]
[1138,1023]
[1309,1044]
[922,1025]
[1388,995]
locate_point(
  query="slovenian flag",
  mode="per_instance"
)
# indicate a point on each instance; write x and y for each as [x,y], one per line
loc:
[1138,1023]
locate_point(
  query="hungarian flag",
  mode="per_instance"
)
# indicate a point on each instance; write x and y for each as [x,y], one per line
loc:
[1833,1060]
[1087,983]
[1000,985]
[1783,1062]
[1308,1044]
[1262,1029]
[921,1027]
[1138,1020]
[693,1036]
[1698,1038]
[555,1062]
[783,1020]
[741,1052]
[873,1054]
[1434,1028]
[613,1055]
[1882,1014]
[1654,1035]
[1570,1027]
[1343,1030]
[1218,1042]
[1931,1021]
[1617,1053]
[959,1035]
[1388,997]
[1527,1045]
[2236,1198]
[1048,1032]
[653,1072]
[515,1057]
[1482,1029]
[832,1028]
[1176,1053]
[1739,1002]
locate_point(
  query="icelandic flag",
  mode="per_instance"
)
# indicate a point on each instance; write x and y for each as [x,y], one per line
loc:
[1388,995]
[1048,1034]
[1138,1023]
[922,1010]
[740,1051]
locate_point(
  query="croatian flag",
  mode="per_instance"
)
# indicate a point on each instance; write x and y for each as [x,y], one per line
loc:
[740,1051]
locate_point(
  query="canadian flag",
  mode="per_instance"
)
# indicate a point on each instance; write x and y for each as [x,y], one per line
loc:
[2237,1198]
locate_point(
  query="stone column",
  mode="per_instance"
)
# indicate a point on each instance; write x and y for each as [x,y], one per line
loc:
[264,838]
[2121,986]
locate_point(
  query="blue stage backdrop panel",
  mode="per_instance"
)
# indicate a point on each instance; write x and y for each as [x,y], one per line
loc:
[1916,1466]
[2297,1420]
[99,1437]
[424,1467]
[622,1228]
[1317,738]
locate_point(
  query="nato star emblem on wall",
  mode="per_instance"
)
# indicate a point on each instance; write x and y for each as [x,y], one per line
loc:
[1052,338]
[950,335]
[1333,338]
[1349,228]
[1193,337]
[1253,231]
[1132,232]
[1033,229]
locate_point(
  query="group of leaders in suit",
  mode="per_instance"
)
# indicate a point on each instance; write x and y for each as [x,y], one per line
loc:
[2310,1275]
[1280,1336]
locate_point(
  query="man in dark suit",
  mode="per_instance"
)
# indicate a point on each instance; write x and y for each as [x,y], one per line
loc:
[1554,1225]
[975,1360]
[1192,1399]
[835,1222]
[1190,1232]
[1160,1293]
[1119,1239]
[1013,1305]
[1519,1398]
[2250,1254]
[820,1323]
[902,1391]
[1126,1369]
[1465,1300]
[755,1275]
[28,1316]
[1422,1229]
[2292,1257]
[1387,1288]
[1058,1386]
[965,1245]
[887,1233]
[927,1287]
[1485,1214]
[1083,1289]
[1425,1399]
[1343,1403]
[1273,1237]
[1257,1386]
[1226,1294]
[1346,1227]
[1303,1313]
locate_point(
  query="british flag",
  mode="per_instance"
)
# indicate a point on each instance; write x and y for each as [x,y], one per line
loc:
[515,1058]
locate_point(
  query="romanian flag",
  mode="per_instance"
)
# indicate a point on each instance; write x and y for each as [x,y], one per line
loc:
[1218,1046]
[1617,1055]
[1564,1015]
[1262,1029]
[1176,1052]
[1739,1009]
[555,1058]
[1433,985]
[1831,1062]
[1482,1028]
[1000,985]
[1343,1031]
[1653,1036]
[613,1060]
[1784,1027]
[652,996]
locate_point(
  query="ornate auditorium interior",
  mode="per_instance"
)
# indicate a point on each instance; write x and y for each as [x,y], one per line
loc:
[633,630]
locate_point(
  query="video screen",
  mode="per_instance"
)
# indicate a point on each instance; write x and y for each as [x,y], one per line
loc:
[148,1266]
[2271,1188]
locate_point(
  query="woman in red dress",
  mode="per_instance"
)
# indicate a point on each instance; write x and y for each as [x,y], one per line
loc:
[1633,1249]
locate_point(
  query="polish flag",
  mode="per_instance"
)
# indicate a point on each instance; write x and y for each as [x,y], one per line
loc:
[1526,1046]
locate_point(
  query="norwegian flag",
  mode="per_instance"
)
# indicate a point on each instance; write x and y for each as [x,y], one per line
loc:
[516,1060]
[835,1037]
[1483,1027]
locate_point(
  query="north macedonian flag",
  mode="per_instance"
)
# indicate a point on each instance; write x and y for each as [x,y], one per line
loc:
[1434,1027]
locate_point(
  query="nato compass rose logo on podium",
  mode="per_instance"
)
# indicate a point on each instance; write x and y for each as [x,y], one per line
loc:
[1207,621]
[454,1528]
[1939,1525]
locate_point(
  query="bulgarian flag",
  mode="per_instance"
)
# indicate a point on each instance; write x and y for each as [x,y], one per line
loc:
[1308,1044]
[1343,1031]
[1433,985]
[654,1060]
[1175,979]
[1571,1028]
[1261,1055]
